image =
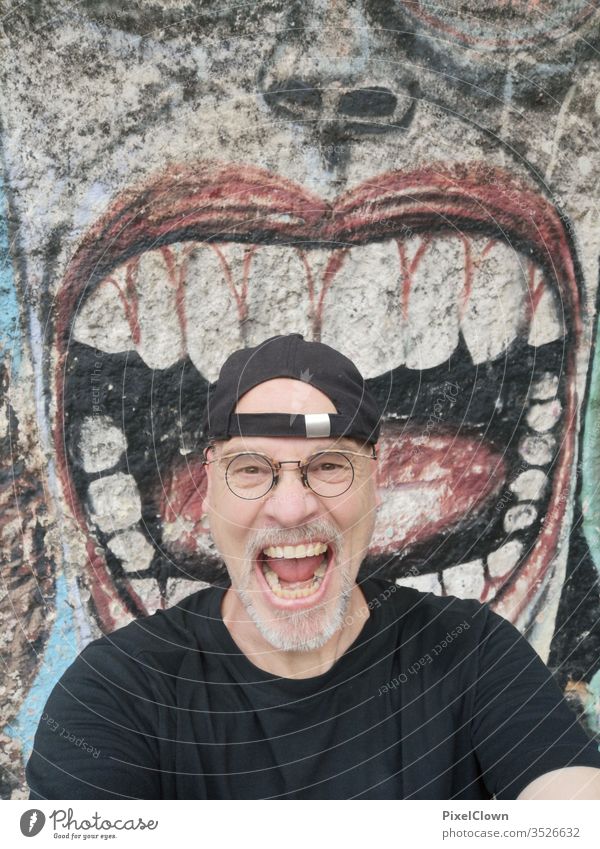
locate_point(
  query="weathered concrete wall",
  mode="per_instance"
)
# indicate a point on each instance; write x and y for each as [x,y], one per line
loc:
[418,187]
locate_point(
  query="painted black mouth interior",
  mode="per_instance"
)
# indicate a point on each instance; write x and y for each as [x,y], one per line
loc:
[160,413]
[490,405]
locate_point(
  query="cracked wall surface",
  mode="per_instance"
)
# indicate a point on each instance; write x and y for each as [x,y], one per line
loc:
[417,186]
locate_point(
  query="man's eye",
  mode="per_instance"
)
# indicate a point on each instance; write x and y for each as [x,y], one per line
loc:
[328,466]
[248,467]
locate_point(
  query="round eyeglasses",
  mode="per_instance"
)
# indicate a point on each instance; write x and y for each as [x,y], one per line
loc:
[250,475]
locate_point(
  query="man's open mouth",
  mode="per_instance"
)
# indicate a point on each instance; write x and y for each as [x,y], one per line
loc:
[454,289]
[295,571]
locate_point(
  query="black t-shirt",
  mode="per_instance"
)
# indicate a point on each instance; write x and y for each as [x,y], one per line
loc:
[437,698]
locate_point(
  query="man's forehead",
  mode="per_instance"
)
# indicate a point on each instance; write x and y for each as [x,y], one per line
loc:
[280,445]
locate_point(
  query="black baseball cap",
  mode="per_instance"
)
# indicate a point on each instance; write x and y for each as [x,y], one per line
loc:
[357,415]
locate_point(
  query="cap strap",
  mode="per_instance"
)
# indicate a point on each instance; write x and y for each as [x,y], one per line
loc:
[309,426]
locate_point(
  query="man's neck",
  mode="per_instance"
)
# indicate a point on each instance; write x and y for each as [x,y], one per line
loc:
[292,664]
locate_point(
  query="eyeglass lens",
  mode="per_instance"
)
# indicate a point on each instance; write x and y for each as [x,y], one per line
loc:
[251,475]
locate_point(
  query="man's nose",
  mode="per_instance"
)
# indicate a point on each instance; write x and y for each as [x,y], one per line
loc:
[290,502]
[324,72]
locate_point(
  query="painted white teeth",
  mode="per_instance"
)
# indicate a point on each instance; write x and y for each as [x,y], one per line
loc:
[466,580]
[156,276]
[101,444]
[212,305]
[537,450]
[545,388]
[428,583]
[296,551]
[502,561]
[519,517]
[101,322]
[530,485]
[148,592]
[211,298]
[542,417]
[115,502]
[276,285]
[494,309]
[433,277]
[133,550]
[546,322]
[376,346]
[180,588]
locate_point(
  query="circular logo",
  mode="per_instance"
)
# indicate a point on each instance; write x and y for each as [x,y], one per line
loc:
[32,822]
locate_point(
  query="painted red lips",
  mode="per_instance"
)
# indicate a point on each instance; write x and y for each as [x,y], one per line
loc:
[217,203]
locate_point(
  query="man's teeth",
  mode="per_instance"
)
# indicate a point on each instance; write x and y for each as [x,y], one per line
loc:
[295,591]
[290,552]
[421,293]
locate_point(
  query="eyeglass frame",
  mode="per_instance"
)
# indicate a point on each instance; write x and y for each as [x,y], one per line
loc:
[276,465]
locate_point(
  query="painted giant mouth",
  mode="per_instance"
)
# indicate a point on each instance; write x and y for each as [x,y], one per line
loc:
[452,288]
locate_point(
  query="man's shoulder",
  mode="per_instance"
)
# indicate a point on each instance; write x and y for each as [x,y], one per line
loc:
[168,633]
[417,611]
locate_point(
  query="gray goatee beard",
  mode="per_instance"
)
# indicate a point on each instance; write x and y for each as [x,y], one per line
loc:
[297,630]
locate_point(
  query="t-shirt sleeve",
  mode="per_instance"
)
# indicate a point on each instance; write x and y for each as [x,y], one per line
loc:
[521,725]
[94,739]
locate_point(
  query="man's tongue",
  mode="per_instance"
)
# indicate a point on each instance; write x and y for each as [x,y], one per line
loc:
[296,569]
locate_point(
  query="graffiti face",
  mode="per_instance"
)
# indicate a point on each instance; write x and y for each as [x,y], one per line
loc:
[411,186]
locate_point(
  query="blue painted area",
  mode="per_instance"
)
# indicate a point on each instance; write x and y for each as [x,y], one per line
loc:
[10,342]
[60,652]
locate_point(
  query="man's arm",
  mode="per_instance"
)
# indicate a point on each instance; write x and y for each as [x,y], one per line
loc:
[525,736]
[575,782]
[95,740]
